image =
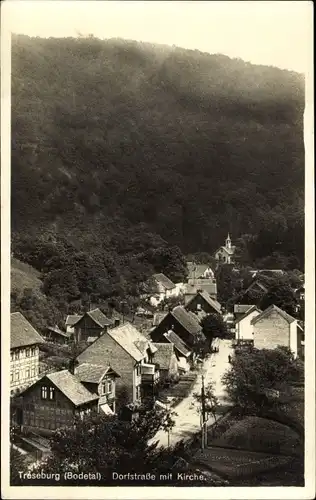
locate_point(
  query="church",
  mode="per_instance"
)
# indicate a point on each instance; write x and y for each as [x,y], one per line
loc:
[225,254]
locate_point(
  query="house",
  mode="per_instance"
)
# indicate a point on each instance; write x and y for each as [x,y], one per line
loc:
[183,323]
[70,321]
[130,355]
[243,326]
[274,327]
[255,290]
[163,288]
[54,401]
[198,271]
[25,342]
[165,358]
[225,254]
[100,380]
[267,272]
[183,353]
[204,284]
[202,301]
[55,334]
[240,310]
[90,326]
[300,293]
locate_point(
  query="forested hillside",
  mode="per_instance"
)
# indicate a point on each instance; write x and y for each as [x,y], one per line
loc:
[120,148]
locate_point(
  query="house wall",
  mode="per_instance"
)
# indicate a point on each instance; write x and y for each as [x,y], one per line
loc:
[44,416]
[108,397]
[205,306]
[120,361]
[170,323]
[271,331]
[244,329]
[223,256]
[24,367]
[294,338]
[85,328]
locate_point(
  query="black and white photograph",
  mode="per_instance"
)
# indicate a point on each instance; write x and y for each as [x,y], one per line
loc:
[158,306]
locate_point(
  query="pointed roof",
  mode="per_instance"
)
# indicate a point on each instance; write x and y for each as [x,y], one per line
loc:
[249,311]
[164,354]
[90,373]
[22,333]
[97,316]
[208,299]
[270,309]
[164,281]
[178,343]
[187,319]
[72,319]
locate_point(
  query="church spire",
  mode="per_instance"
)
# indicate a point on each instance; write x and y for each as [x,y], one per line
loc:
[228,242]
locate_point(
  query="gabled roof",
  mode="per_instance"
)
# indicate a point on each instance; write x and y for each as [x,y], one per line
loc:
[22,332]
[249,311]
[270,309]
[90,373]
[99,317]
[58,331]
[187,320]
[158,317]
[242,308]
[257,283]
[72,319]
[164,281]
[133,341]
[196,270]
[71,387]
[178,343]
[163,355]
[208,299]
[193,286]
[230,250]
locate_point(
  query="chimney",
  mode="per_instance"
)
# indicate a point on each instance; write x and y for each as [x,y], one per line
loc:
[73,363]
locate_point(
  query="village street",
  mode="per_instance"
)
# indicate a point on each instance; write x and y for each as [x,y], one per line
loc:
[187,421]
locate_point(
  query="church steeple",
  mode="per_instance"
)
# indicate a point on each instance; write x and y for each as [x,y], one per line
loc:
[228,243]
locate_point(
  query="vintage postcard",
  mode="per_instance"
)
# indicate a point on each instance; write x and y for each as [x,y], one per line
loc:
[158,250]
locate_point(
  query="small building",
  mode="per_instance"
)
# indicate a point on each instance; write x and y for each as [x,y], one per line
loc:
[243,327]
[240,310]
[25,342]
[54,401]
[130,354]
[165,358]
[256,288]
[183,353]
[183,323]
[55,334]
[163,289]
[199,271]
[99,380]
[202,301]
[225,254]
[90,326]
[274,327]
[70,322]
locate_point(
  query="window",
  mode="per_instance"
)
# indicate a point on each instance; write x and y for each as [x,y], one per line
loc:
[110,386]
[16,355]
[33,351]
[11,377]
[12,356]
[44,392]
[17,375]
[27,373]
[27,352]
[138,370]
[51,393]
[103,388]
[33,371]
[198,307]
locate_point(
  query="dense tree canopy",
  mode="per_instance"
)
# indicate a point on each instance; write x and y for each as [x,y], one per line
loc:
[124,145]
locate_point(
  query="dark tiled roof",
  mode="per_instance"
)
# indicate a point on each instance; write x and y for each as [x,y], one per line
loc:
[165,282]
[178,343]
[99,317]
[242,308]
[90,373]
[249,311]
[187,320]
[163,355]
[57,330]
[72,319]
[22,332]
[71,387]
[270,309]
